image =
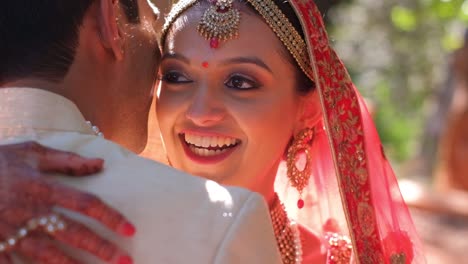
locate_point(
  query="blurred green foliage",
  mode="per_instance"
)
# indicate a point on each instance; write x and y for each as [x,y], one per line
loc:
[397,54]
[404,18]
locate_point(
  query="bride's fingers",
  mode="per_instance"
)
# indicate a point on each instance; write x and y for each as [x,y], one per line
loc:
[54,194]
[70,164]
[72,233]
[32,188]
[5,259]
[79,236]
[39,249]
[43,250]
[92,206]
[52,160]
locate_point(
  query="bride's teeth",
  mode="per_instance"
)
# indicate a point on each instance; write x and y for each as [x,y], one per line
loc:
[228,141]
[196,150]
[213,141]
[205,142]
[206,152]
[198,141]
[187,137]
[219,141]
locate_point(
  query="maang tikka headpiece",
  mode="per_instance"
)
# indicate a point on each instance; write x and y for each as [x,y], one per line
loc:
[220,22]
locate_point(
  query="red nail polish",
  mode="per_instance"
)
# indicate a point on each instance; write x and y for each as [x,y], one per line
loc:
[128,230]
[125,260]
[99,162]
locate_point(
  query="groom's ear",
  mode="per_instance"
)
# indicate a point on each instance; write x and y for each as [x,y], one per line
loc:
[109,30]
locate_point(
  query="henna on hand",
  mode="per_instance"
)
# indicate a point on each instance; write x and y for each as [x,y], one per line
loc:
[26,193]
[31,155]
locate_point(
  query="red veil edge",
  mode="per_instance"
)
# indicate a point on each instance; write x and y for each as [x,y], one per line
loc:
[352,182]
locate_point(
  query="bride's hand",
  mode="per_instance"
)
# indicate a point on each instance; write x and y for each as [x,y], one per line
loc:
[28,224]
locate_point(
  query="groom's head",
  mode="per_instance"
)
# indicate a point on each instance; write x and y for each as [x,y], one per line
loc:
[101,54]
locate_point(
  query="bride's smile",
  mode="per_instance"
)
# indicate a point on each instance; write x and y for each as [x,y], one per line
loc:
[207,148]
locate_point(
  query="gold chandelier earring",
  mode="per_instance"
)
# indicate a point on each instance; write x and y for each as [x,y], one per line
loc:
[299,178]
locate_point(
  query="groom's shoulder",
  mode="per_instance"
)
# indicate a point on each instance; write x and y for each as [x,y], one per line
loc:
[181,183]
[175,183]
[212,223]
[130,174]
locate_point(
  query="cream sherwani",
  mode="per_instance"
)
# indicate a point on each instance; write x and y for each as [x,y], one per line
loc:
[179,218]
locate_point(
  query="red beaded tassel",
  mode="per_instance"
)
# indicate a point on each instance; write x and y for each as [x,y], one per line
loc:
[300,203]
[214,43]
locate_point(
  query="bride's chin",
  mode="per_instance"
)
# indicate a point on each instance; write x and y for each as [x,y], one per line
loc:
[187,167]
[212,177]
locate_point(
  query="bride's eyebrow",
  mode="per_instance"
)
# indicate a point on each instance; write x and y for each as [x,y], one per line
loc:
[176,56]
[251,60]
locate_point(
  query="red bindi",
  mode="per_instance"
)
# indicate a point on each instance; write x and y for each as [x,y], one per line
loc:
[205,64]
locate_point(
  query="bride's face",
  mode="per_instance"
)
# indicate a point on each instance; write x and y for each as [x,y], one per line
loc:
[226,114]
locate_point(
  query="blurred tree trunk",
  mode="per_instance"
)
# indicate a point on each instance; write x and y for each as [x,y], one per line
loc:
[453,167]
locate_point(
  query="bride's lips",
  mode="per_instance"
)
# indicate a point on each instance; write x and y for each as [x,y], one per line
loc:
[207,148]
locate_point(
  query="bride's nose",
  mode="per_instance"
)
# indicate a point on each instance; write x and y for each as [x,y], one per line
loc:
[206,107]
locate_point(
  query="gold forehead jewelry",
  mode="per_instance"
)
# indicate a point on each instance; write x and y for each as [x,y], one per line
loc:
[286,32]
[220,22]
[274,17]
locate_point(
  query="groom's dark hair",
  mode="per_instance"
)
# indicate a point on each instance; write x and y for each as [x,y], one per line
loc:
[38,38]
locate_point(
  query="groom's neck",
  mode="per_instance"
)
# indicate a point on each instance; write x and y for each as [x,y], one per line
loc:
[33,83]
[67,88]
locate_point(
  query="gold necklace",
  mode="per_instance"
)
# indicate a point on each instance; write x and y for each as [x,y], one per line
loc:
[286,233]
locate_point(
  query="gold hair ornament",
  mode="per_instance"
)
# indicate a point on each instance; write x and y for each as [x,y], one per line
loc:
[286,32]
[274,17]
[220,22]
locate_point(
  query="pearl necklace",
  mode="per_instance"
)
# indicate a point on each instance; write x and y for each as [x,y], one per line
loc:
[286,233]
[95,129]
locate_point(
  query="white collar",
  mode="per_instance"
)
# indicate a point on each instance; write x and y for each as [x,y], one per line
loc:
[23,109]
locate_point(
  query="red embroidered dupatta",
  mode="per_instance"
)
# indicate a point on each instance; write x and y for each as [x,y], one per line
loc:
[352,182]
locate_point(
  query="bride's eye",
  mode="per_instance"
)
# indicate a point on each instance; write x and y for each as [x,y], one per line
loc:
[174,77]
[241,83]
